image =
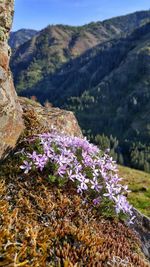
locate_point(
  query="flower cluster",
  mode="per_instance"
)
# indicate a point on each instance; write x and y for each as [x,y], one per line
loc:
[77,160]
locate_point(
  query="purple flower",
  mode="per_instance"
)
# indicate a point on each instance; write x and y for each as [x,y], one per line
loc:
[95,185]
[115,179]
[33,156]
[48,150]
[95,172]
[96,201]
[71,175]
[112,190]
[26,167]
[79,161]
[87,160]
[83,182]
[40,161]
[122,205]
[78,168]
[62,170]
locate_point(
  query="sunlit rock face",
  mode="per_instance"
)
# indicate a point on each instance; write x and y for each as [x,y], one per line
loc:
[11,123]
[40,119]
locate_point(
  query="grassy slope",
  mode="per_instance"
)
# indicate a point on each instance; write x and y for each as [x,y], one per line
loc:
[139,184]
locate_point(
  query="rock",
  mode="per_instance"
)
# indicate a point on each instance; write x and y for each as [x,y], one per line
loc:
[43,119]
[11,123]
[142,227]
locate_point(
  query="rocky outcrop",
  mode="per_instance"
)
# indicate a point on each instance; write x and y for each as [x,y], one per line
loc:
[40,119]
[142,227]
[11,123]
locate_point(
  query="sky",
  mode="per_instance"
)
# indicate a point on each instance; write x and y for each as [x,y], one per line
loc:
[37,14]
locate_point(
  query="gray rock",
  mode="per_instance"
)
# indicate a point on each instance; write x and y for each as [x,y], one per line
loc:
[11,123]
[142,227]
[48,118]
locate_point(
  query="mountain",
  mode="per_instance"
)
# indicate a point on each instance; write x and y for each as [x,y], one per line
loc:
[19,37]
[101,71]
[102,81]
[55,45]
[109,85]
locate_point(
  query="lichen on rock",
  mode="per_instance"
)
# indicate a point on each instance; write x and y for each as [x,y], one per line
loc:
[11,123]
[40,119]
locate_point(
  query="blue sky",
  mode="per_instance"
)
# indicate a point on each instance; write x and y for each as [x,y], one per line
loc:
[37,14]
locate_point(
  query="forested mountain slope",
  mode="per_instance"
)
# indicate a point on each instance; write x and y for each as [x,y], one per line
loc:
[19,37]
[51,48]
[110,81]
[101,71]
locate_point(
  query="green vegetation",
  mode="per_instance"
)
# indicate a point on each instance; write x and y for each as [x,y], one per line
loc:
[129,153]
[20,37]
[55,45]
[44,225]
[139,184]
[106,85]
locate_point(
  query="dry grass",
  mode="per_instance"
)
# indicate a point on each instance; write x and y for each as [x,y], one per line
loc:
[45,226]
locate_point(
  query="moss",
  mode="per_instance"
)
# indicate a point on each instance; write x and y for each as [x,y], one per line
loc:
[44,226]
[11,165]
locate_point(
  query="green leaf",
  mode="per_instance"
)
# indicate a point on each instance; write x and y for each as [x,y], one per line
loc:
[51,178]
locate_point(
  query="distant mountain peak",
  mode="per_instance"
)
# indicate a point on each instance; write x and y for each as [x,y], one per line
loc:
[20,36]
